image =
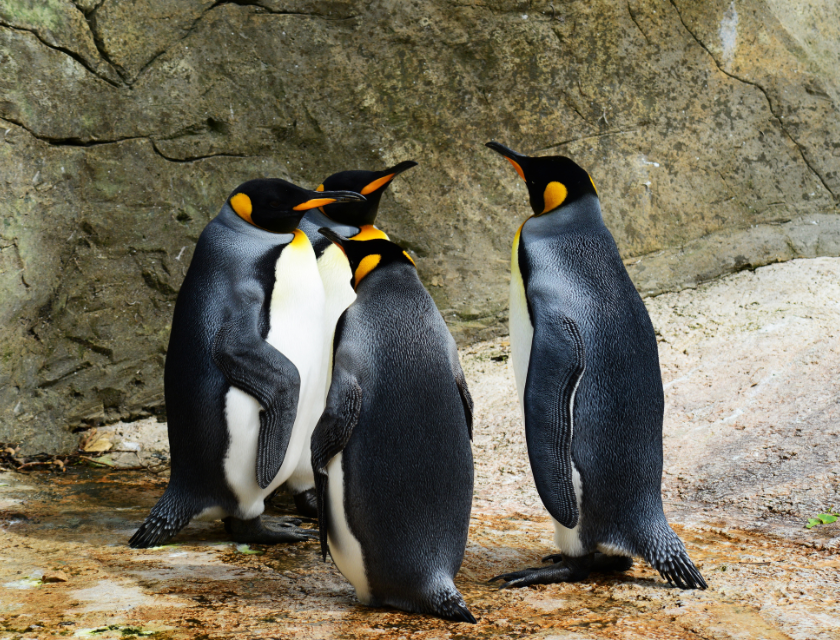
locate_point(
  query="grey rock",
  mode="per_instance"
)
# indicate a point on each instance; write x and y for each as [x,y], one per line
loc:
[125,124]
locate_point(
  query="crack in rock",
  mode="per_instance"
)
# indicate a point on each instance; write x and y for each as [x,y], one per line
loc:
[800,148]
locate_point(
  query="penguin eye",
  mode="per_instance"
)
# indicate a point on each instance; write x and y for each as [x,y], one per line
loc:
[274,204]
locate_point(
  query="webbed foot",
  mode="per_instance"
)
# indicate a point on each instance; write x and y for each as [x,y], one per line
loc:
[571,570]
[254,532]
[602,563]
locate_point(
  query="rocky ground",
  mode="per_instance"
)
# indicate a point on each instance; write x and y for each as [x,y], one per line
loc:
[750,365]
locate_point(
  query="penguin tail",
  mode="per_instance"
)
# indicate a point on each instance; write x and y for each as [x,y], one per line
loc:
[450,605]
[666,553]
[166,519]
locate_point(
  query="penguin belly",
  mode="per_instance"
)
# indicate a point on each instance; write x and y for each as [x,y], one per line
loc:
[335,274]
[339,294]
[296,327]
[521,339]
[345,549]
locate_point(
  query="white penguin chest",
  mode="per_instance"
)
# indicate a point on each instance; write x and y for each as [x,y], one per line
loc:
[344,547]
[296,327]
[335,274]
[521,329]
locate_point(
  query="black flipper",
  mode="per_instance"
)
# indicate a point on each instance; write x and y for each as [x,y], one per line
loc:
[167,518]
[253,365]
[461,382]
[555,368]
[344,403]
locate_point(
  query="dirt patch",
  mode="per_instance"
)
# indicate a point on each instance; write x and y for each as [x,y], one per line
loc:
[750,453]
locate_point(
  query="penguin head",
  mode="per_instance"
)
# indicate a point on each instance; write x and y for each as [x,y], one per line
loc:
[552,181]
[366,255]
[371,184]
[277,206]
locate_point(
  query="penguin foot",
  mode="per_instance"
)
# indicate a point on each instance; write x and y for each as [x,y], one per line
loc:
[254,532]
[571,570]
[602,563]
[306,503]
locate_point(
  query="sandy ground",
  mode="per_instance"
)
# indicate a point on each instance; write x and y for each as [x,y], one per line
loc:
[750,365]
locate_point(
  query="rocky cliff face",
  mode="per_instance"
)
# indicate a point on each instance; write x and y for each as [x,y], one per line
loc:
[711,130]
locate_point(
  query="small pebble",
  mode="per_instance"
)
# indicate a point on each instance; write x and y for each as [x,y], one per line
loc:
[55,576]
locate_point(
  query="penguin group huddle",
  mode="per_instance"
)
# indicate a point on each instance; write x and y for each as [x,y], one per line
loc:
[304,350]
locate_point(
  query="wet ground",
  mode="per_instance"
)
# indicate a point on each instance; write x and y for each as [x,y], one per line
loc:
[751,366]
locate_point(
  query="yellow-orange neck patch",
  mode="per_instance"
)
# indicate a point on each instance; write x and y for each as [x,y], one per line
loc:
[320,187]
[300,240]
[517,167]
[593,185]
[373,186]
[554,195]
[369,232]
[410,259]
[241,204]
[367,265]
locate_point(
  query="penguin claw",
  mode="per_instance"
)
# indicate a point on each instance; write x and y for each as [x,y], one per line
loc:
[554,557]
[289,522]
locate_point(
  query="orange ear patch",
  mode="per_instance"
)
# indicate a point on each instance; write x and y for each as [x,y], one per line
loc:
[373,186]
[314,203]
[554,195]
[517,167]
[367,265]
[241,203]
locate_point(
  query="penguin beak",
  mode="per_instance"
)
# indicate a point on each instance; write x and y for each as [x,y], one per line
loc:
[332,236]
[402,166]
[321,198]
[516,159]
[390,174]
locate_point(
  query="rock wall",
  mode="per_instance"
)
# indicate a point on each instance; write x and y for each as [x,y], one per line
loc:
[710,128]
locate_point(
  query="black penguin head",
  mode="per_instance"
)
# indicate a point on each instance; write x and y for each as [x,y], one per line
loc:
[371,184]
[277,206]
[366,255]
[552,180]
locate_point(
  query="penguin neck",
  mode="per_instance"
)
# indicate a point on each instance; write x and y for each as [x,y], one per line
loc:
[228,217]
[580,214]
[316,220]
[382,279]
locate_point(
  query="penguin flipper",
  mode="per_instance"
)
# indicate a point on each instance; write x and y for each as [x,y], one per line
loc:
[344,404]
[556,365]
[461,382]
[253,365]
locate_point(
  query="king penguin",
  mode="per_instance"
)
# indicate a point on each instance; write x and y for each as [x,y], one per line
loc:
[354,220]
[391,452]
[587,371]
[240,379]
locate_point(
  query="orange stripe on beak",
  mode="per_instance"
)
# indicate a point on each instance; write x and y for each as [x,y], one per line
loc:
[373,186]
[517,167]
[314,203]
